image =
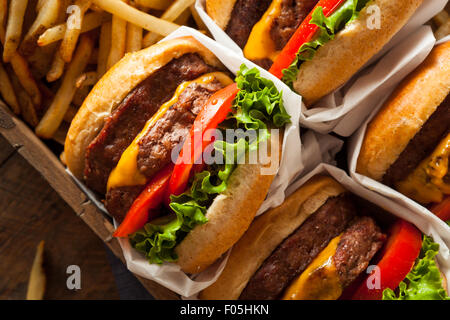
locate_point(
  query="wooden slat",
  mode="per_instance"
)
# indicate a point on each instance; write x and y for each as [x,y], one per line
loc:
[31,211]
[40,157]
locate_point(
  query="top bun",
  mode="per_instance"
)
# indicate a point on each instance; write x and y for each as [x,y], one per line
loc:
[266,233]
[339,59]
[404,113]
[113,87]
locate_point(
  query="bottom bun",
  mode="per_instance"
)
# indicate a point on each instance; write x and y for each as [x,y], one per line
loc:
[266,233]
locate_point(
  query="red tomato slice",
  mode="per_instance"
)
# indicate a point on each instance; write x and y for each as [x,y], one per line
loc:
[302,35]
[212,114]
[150,198]
[397,259]
[442,209]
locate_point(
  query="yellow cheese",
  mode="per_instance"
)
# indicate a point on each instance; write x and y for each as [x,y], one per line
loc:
[427,183]
[320,280]
[126,172]
[260,44]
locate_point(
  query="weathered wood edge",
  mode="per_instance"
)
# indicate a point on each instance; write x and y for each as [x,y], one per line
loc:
[44,161]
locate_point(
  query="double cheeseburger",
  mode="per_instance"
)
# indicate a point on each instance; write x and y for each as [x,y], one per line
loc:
[407,144]
[318,245]
[135,142]
[313,46]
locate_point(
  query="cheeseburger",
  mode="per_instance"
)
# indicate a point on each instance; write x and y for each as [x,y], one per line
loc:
[313,46]
[318,244]
[407,144]
[133,141]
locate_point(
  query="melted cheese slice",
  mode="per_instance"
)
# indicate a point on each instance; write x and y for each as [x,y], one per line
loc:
[126,172]
[320,281]
[427,183]
[260,44]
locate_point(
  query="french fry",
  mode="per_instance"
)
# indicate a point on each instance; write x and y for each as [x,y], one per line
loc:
[14,28]
[103,48]
[73,28]
[46,18]
[27,107]
[91,21]
[36,283]
[86,79]
[118,40]
[7,91]
[54,115]
[171,14]
[154,4]
[137,17]
[57,67]
[22,70]
[134,38]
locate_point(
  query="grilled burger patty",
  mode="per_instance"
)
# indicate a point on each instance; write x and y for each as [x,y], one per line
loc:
[356,248]
[156,146]
[424,142]
[361,239]
[246,13]
[130,116]
[297,251]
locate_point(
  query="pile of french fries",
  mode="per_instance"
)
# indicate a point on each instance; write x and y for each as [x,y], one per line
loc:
[54,51]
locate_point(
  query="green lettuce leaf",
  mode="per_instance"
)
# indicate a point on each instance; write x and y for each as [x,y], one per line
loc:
[424,282]
[257,106]
[328,27]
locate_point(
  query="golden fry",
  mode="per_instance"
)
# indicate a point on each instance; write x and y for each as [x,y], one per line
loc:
[14,27]
[171,14]
[46,18]
[7,91]
[103,48]
[36,284]
[134,38]
[52,119]
[154,4]
[91,21]
[73,28]
[118,40]
[28,110]
[137,17]
[57,67]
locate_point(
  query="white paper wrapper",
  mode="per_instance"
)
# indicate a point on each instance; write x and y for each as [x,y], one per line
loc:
[316,148]
[434,224]
[427,223]
[338,111]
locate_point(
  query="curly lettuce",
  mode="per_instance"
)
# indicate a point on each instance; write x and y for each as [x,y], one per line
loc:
[257,106]
[328,27]
[424,282]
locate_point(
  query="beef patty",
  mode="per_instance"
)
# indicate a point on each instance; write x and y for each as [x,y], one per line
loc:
[156,146]
[246,13]
[356,248]
[297,251]
[422,145]
[128,119]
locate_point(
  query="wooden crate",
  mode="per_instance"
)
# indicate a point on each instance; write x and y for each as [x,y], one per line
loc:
[22,138]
